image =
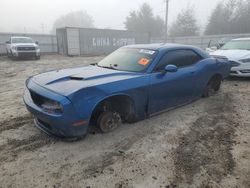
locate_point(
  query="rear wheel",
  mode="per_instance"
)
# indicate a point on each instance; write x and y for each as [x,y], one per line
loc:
[216,84]
[212,86]
[108,121]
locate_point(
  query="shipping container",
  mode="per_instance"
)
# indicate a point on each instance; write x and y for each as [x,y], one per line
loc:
[87,41]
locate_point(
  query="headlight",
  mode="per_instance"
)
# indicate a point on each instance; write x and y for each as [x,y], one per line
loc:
[52,107]
[245,60]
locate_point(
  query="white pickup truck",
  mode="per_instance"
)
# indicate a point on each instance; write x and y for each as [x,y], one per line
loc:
[18,47]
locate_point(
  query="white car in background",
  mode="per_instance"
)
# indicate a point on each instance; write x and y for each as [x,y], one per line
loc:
[18,47]
[238,53]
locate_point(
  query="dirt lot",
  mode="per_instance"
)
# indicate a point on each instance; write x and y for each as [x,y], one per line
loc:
[204,144]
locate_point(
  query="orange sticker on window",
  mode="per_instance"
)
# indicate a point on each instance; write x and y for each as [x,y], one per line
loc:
[143,61]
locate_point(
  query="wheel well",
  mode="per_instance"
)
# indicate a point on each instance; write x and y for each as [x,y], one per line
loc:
[122,104]
[215,81]
[216,76]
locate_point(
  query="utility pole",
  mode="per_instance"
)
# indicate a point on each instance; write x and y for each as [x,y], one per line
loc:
[166,22]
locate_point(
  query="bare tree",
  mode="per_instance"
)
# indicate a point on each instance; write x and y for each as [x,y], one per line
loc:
[185,24]
[229,17]
[242,18]
[145,21]
[74,19]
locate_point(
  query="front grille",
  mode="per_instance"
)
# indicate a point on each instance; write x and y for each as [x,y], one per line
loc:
[234,64]
[234,72]
[245,71]
[26,54]
[23,48]
[37,99]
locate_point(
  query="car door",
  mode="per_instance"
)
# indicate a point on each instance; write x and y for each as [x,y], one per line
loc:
[171,89]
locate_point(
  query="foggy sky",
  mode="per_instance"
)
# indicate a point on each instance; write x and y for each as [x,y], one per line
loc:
[37,16]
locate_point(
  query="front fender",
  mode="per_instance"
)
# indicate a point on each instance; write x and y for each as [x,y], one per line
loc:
[110,96]
[86,99]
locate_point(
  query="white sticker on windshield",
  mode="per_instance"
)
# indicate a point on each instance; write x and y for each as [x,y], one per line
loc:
[150,52]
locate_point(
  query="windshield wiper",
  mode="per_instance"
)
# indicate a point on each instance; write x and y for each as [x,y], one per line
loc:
[108,67]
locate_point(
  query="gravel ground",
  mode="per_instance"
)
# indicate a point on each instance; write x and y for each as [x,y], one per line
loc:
[203,144]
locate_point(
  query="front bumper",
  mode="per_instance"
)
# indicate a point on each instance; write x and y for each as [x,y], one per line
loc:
[60,125]
[240,71]
[239,74]
[31,53]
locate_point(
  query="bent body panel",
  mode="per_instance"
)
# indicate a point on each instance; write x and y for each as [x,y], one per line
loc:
[77,92]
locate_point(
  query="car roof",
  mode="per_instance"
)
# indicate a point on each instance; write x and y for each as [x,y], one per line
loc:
[160,46]
[239,39]
[169,46]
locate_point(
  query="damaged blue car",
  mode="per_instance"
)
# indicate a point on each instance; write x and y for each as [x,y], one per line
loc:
[131,84]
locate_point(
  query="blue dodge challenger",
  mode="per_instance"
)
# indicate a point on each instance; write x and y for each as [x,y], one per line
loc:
[131,84]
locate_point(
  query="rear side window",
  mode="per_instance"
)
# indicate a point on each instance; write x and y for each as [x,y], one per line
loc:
[180,58]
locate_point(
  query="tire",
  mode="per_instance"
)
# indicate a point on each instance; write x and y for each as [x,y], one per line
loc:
[108,121]
[12,57]
[131,119]
[216,84]
[8,55]
[212,86]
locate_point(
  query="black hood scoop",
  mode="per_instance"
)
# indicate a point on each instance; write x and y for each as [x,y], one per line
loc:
[76,78]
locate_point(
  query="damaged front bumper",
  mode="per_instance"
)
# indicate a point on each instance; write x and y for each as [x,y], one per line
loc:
[60,125]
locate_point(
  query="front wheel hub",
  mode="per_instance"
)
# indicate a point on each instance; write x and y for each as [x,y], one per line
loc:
[109,121]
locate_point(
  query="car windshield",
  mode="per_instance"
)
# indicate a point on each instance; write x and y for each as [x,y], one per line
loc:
[237,45]
[128,59]
[22,40]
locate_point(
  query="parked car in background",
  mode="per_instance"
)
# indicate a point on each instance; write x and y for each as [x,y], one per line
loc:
[22,47]
[132,83]
[238,52]
[214,45]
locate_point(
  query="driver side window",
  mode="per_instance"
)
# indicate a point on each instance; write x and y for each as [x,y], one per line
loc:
[180,58]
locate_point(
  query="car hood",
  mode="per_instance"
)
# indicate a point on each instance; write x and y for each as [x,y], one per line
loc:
[25,44]
[68,81]
[233,54]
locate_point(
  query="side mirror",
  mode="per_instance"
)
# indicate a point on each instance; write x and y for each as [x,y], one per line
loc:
[171,68]
[37,42]
[221,44]
[7,42]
